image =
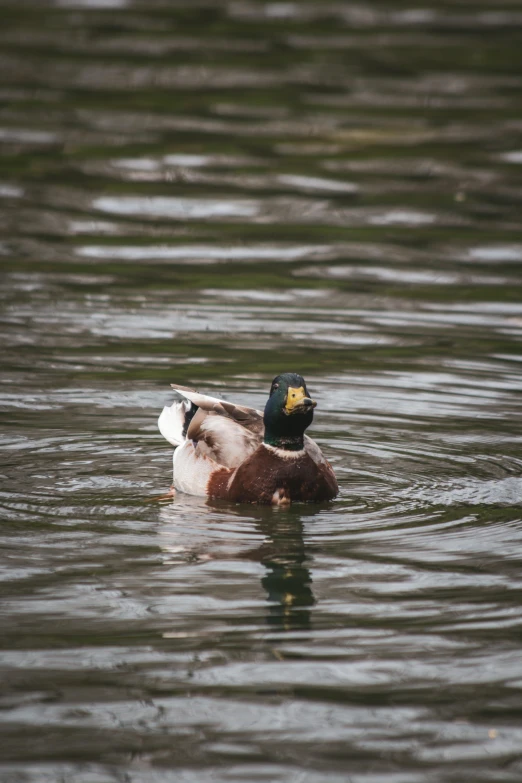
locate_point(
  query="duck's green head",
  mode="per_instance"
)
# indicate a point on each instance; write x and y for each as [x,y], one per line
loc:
[288,412]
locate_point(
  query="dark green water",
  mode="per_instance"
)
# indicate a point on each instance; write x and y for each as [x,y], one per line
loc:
[212,193]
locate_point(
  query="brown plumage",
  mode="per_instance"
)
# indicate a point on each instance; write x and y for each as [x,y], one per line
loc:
[236,453]
[266,477]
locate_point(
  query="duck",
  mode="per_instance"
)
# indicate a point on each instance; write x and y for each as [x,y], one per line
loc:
[226,451]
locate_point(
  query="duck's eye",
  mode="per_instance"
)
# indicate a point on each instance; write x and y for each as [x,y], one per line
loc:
[275,386]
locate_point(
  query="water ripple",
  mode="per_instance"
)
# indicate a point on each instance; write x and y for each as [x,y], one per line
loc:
[211,194]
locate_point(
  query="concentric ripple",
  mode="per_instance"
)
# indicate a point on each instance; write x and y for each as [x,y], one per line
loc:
[211,193]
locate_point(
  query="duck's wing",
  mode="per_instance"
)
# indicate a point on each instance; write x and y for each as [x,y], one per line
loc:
[326,470]
[222,431]
[221,438]
[313,451]
[250,418]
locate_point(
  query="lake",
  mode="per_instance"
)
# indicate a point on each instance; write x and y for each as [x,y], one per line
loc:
[211,193]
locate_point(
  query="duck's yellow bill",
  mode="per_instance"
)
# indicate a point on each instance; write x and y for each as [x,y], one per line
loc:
[297,398]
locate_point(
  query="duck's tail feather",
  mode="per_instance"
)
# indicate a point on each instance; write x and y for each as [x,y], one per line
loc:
[174,420]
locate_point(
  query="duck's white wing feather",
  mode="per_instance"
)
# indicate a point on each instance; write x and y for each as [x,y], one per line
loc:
[171,422]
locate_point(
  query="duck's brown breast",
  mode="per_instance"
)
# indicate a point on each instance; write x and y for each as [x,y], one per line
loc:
[267,476]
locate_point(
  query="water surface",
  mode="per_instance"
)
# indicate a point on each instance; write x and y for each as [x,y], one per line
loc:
[210,194]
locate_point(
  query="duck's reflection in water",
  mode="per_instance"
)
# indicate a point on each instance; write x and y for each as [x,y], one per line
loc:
[196,530]
[288,579]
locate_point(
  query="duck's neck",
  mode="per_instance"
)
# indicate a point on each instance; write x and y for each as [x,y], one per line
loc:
[285,442]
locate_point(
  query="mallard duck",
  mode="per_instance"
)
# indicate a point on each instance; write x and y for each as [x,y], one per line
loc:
[239,454]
